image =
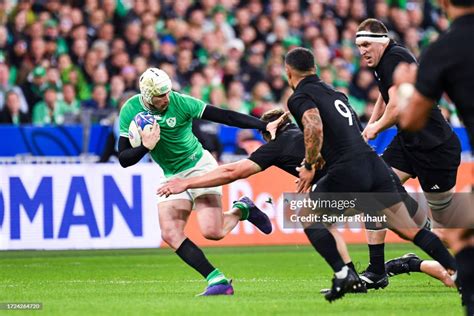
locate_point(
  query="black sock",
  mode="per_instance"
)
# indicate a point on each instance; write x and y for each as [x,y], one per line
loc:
[415,265]
[193,256]
[465,261]
[377,258]
[411,205]
[325,245]
[351,266]
[432,245]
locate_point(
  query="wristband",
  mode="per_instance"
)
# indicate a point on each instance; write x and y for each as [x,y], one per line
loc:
[308,166]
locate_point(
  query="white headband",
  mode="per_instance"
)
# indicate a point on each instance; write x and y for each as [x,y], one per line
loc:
[366,36]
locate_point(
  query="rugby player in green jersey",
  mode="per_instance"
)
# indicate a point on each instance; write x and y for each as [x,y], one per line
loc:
[178,152]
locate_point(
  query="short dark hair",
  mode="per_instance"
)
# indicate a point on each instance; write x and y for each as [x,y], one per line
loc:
[272,115]
[301,59]
[462,3]
[372,25]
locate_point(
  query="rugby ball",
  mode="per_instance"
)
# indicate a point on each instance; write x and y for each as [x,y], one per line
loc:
[141,121]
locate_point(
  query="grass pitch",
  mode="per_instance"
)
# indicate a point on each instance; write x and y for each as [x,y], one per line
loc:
[267,281]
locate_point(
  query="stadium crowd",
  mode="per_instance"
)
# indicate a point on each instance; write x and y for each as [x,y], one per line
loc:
[60,58]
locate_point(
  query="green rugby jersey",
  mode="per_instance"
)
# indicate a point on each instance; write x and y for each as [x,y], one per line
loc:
[178,149]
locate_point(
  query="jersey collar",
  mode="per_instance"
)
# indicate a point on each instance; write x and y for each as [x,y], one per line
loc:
[308,79]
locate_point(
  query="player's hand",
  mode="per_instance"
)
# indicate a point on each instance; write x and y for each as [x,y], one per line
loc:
[404,73]
[273,126]
[320,162]
[370,132]
[150,137]
[303,183]
[173,186]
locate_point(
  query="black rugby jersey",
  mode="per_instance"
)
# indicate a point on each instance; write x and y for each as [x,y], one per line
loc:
[286,152]
[341,128]
[447,65]
[437,129]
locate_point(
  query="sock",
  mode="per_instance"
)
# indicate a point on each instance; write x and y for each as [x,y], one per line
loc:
[244,209]
[194,257]
[325,245]
[415,265]
[351,266]
[216,277]
[465,260]
[411,204]
[343,273]
[377,258]
[433,246]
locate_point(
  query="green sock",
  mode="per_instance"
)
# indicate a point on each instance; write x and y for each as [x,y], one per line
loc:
[243,208]
[216,277]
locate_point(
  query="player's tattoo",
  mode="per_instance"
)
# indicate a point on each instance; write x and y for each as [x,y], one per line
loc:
[313,134]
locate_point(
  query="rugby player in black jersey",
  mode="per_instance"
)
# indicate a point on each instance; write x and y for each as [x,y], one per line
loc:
[331,131]
[432,154]
[447,66]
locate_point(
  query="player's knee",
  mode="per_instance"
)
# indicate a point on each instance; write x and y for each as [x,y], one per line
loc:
[212,233]
[439,201]
[172,237]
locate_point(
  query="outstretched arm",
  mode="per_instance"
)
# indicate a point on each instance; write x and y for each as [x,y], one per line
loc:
[222,175]
[231,118]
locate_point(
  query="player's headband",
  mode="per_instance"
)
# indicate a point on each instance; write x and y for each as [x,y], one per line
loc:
[367,36]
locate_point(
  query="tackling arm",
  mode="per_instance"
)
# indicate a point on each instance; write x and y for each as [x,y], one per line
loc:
[231,118]
[222,175]
[240,120]
[225,174]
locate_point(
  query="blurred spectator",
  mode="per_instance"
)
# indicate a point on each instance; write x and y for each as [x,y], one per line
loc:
[11,114]
[235,98]
[34,88]
[252,70]
[99,100]
[117,89]
[51,110]
[6,85]
[70,99]
[71,73]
